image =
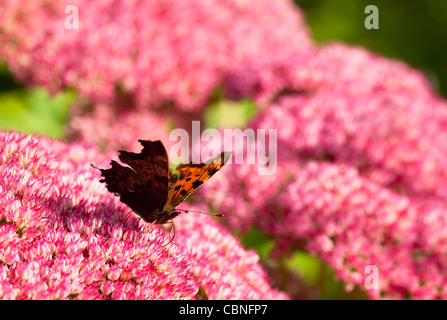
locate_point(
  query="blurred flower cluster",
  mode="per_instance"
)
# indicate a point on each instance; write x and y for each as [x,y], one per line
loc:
[361,176]
[361,179]
[156,52]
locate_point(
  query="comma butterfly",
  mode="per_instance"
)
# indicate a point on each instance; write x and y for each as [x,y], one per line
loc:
[150,188]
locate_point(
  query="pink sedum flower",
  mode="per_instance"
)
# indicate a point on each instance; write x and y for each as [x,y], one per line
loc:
[223,264]
[116,127]
[157,52]
[391,130]
[361,176]
[63,236]
[333,68]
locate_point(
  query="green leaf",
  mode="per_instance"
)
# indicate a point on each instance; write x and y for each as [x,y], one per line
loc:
[229,114]
[306,265]
[35,111]
[258,241]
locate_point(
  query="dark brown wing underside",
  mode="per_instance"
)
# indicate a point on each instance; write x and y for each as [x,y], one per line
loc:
[143,186]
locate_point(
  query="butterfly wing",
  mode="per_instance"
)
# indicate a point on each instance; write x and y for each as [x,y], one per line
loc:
[193,175]
[143,186]
[173,177]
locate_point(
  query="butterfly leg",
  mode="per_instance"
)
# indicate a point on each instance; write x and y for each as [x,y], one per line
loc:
[149,228]
[127,214]
[123,217]
[172,231]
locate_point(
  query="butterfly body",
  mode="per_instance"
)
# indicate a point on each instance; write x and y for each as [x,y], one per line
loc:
[150,188]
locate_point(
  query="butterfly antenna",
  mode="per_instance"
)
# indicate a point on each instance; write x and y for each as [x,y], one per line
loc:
[173,234]
[123,218]
[208,213]
[93,166]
